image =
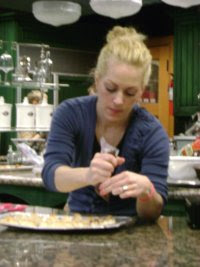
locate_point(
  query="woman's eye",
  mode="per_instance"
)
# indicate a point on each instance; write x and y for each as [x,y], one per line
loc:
[131,93]
[110,89]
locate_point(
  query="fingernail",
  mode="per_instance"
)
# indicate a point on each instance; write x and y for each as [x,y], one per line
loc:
[102,193]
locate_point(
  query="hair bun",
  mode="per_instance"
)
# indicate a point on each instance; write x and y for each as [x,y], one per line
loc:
[119,32]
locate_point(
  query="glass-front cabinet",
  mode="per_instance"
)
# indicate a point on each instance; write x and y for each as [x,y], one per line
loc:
[18,115]
[156,95]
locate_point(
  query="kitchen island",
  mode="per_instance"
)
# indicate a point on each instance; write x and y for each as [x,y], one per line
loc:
[169,242]
[26,187]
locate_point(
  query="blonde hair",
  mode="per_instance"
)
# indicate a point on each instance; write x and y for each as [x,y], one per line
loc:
[126,45]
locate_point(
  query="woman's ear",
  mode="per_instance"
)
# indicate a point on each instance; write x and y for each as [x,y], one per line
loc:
[96,80]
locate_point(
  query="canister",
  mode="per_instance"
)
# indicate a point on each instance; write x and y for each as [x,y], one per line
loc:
[25,115]
[44,112]
[5,114]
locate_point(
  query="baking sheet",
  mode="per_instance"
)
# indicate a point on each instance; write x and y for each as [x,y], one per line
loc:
[118,221]
[6,167]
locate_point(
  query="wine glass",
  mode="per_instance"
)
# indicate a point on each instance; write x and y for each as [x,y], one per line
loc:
[6,65]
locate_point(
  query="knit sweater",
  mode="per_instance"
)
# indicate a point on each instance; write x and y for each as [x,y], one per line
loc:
[70,142]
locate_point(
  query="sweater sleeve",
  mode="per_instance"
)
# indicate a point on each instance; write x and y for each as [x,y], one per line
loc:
[60,148]
[155,158]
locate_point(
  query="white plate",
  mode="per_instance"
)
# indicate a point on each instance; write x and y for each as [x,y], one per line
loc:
[119,221]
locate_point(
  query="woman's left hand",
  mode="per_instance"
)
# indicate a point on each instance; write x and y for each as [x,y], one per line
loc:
[126,184]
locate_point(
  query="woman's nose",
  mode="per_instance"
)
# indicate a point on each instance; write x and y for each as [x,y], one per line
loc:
[118,98]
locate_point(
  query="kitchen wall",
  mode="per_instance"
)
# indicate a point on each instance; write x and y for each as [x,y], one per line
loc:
[81,41]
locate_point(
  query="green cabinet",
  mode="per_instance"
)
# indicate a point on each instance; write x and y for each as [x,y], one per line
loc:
[186,62]
[35,196]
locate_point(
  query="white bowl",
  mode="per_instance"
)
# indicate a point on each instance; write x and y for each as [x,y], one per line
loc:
[183,167]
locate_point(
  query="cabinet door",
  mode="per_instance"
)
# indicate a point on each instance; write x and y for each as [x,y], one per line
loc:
[187,64]
[161,50]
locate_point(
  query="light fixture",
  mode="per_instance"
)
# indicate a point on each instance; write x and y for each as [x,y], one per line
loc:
[182,3]
[116,8]
[56,13]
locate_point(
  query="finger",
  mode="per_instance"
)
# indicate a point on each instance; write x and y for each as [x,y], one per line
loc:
[110,186]
[120,161]
[105,187]
[101,175]
[118,178]
[108,157]
[128,194]
[125,188]
[115,181]
[101,164]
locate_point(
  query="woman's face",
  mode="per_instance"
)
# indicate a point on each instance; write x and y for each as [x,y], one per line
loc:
[118,90]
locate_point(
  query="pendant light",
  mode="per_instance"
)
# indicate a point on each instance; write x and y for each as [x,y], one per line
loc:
[116,8]
[182,3]
[56,13]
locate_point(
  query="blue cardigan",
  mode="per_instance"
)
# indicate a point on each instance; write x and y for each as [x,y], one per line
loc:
[70,142]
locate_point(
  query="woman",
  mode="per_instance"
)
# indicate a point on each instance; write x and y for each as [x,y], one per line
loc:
[135,180]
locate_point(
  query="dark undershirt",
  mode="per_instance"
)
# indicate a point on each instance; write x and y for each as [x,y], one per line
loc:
[97,148]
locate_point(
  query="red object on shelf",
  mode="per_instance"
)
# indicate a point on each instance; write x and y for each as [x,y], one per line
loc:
[196,144]
[146,94]
[171,96]
[171,108]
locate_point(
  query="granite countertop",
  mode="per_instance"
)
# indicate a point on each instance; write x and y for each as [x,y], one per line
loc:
[183,192]
[169,242]
[28,178]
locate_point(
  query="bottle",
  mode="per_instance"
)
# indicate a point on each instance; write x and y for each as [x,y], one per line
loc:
[48,66]
[172,149]
[10,155]
[41,68]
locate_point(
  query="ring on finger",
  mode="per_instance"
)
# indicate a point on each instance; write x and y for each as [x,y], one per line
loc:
[125,187]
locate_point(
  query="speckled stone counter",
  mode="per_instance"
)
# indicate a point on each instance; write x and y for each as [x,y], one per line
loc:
[183,192]
[27,178]
[27,188]
[170,242]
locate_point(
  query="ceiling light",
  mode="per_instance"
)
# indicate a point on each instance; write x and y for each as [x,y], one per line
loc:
[116,8]
[56,13]
[182,3]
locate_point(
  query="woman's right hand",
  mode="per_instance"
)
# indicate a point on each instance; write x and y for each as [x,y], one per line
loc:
[101,167]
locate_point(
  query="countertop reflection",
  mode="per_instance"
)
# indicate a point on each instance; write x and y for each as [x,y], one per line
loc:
[169,242]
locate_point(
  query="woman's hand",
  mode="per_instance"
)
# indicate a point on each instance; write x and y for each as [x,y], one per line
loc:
[101,167]
[126,184]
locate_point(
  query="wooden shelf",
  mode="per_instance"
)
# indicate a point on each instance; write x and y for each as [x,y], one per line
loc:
[34,85]
[35,129]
